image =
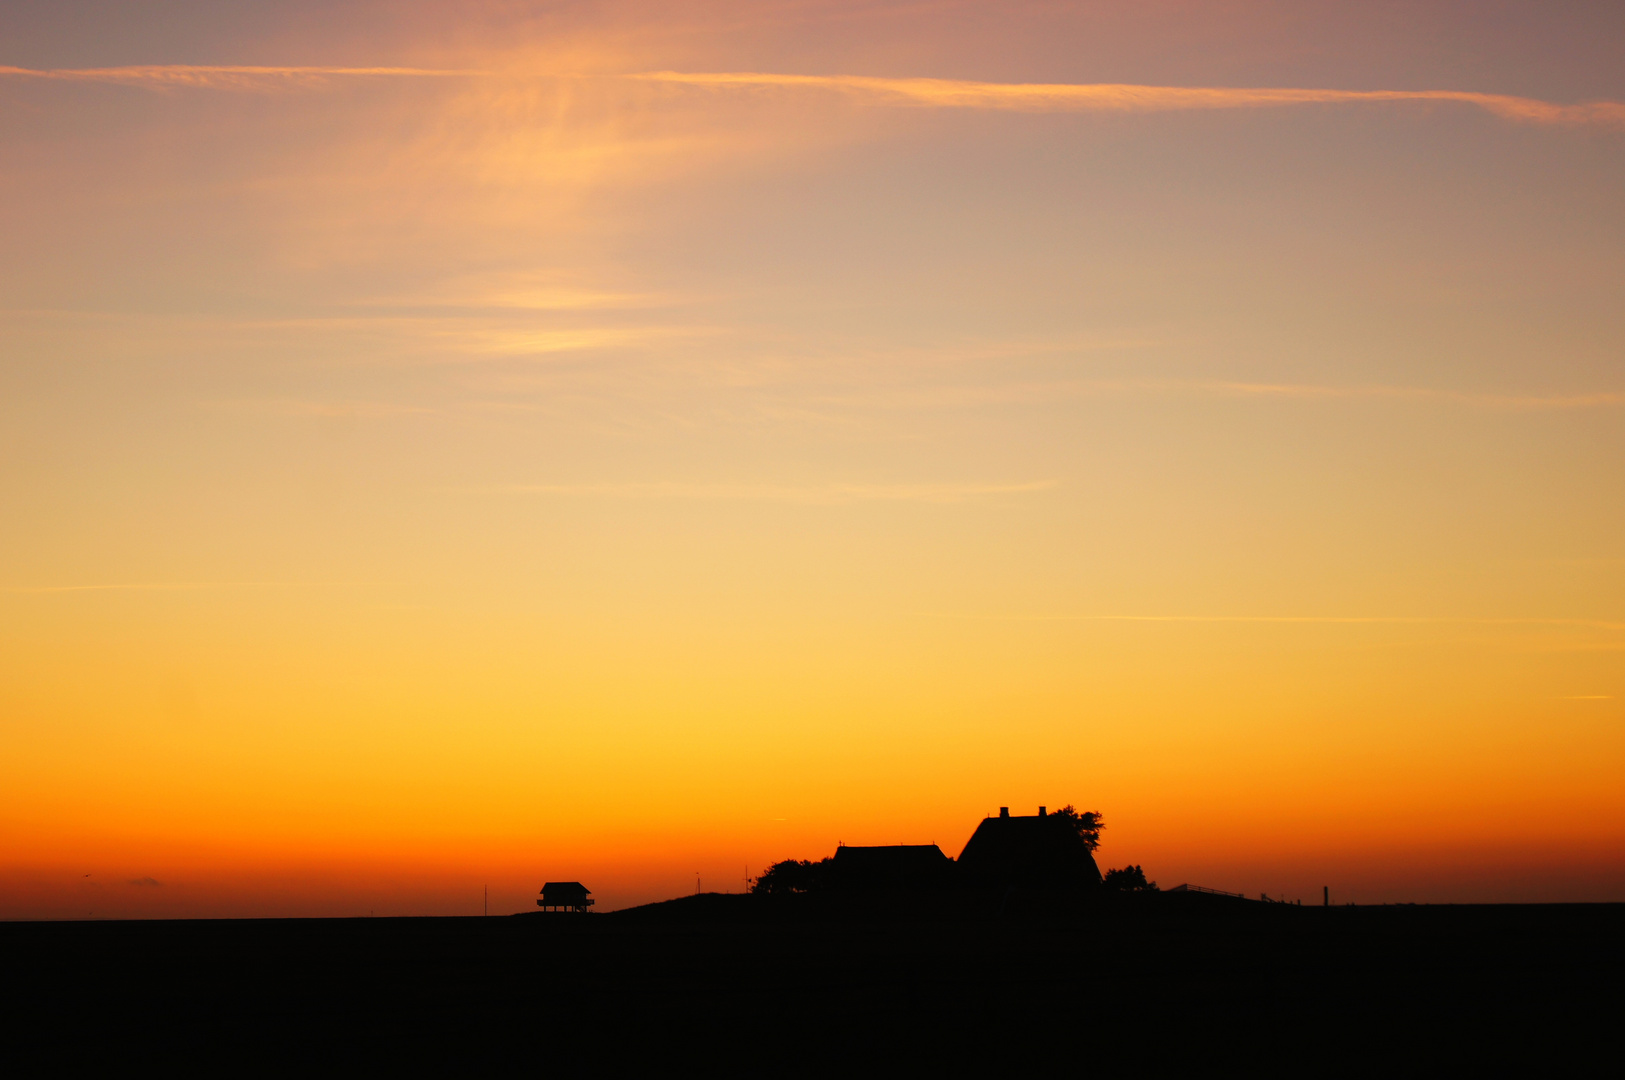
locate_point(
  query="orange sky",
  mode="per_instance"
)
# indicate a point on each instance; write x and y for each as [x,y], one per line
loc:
[449,445]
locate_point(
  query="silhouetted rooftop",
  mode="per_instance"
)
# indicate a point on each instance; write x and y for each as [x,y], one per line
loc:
[565,894]
[1043,851]
[895,866]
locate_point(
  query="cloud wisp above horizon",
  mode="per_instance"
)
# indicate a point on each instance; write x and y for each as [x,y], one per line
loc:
[821,494]
[1133,98]
[1353,620]
[225,76]
[881,90]
[165,586]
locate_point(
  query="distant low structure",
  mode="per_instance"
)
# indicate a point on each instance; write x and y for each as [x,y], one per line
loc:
[1039,852]
[1188,887]
[897,866]
[564,896]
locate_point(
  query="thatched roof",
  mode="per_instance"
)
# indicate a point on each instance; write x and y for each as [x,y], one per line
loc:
[896,866]
[1038,852]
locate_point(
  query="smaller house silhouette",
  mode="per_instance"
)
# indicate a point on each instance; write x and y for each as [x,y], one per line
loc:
[564,896]
[898,866]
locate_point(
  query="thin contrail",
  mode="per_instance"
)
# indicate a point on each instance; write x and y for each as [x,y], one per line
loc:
[1595,624]
[1126,97]
[923,92]
[820,493]
[165,586]
[225,76]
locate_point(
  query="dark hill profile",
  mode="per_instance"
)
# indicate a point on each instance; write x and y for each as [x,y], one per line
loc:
[1012,959]
[1160,981]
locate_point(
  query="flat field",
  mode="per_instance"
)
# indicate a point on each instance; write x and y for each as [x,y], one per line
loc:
[735,983]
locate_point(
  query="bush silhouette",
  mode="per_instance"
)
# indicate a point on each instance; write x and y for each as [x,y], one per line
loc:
[793,876]
[1129,879]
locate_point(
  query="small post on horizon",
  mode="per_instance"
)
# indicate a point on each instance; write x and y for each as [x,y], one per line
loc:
[1325,896]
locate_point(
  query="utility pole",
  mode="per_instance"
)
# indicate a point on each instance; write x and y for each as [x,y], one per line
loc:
[1325,896]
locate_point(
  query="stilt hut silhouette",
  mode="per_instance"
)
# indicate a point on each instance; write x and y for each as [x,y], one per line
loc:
[564,896]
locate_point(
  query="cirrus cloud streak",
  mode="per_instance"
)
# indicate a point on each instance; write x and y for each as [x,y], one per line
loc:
[225,76]
[1536,620]
[819,494]
[922,92]
[1125,97]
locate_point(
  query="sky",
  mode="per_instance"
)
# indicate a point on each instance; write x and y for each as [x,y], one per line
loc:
[446,447]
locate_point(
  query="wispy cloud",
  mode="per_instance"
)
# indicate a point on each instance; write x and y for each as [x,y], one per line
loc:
[464,337]
[541,290]
[443,336]
[225,77]
[811,493]
[1596,399]
[926,92]
[524,341]
[1123,97]
[954,395]
[527,298]
[329,410]
[162,586]
[1590,624]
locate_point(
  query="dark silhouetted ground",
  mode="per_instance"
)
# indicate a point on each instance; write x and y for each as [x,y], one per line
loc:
[735,983]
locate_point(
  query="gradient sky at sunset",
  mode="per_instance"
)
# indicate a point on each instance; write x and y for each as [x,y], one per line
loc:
[461,444]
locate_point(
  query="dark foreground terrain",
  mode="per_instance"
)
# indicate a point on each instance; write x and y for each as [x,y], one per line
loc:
[735,984]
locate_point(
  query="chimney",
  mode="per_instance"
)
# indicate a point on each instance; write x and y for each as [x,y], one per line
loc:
[1004,811]
[1042,811]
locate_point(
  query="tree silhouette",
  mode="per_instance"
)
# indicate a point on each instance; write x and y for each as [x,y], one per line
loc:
[792,876]
[1086,823]
[1129,879]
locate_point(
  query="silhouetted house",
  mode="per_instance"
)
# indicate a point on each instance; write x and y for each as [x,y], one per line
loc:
[564,896]
[1041,852]
[898,866]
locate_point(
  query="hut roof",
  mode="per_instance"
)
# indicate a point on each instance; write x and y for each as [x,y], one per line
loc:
[894,866]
